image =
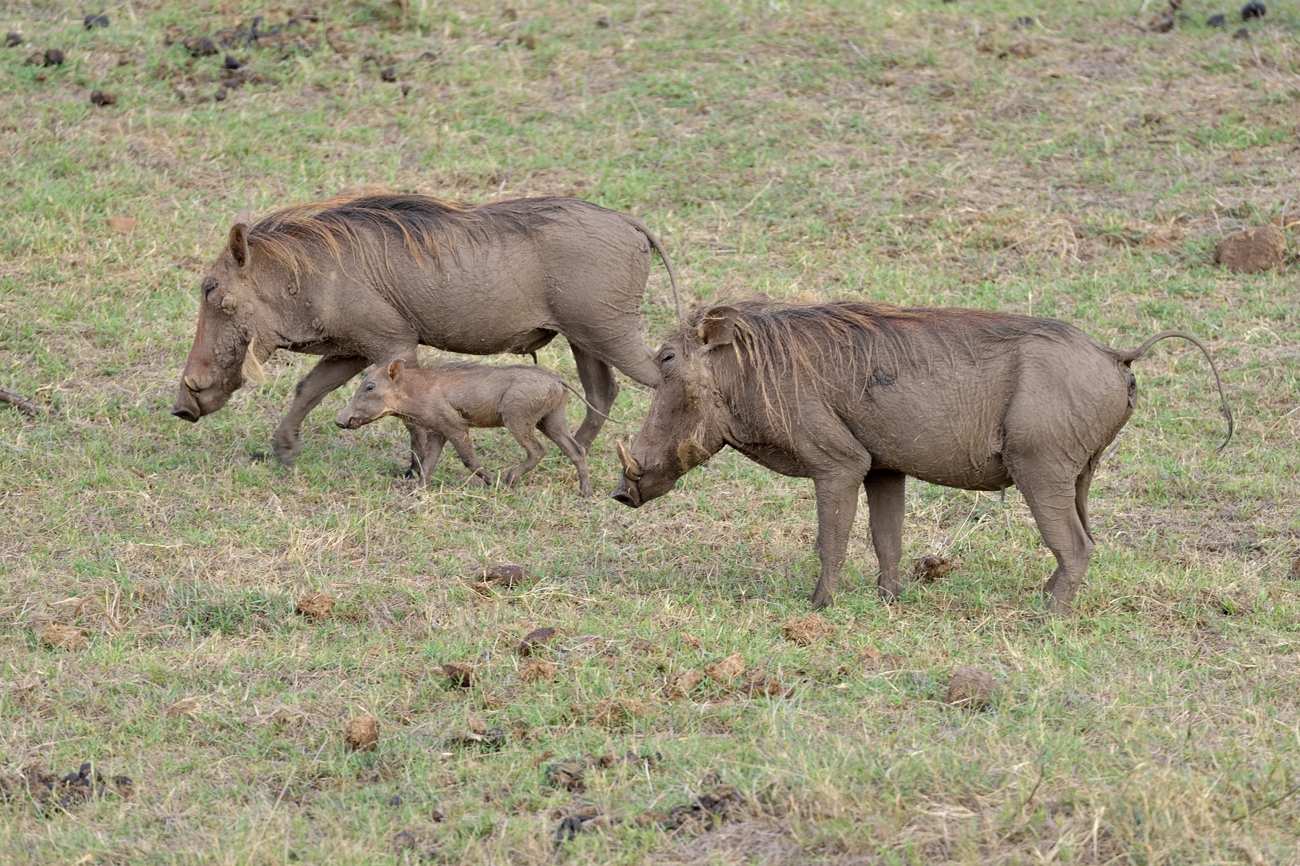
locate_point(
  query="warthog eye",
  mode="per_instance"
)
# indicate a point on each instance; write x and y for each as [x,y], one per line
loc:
[209,286]
[370,387]
[667,356]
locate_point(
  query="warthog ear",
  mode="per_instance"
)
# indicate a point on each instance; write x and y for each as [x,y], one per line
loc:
[395,369]
[239,243]
[718,327]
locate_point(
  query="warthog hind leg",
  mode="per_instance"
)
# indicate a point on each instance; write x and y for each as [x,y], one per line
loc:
[885,506]
[1060,514]
[555,428]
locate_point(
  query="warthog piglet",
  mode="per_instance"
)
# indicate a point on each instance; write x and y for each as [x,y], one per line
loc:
[448,399]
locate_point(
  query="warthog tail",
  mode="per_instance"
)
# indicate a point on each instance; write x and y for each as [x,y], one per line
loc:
[1132,355]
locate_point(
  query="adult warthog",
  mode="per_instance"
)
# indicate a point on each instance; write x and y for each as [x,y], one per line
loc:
[364,280]
[863,395]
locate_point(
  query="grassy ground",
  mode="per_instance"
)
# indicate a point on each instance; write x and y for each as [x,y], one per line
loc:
[917,152]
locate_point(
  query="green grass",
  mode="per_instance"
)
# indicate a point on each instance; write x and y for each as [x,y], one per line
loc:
[919,153]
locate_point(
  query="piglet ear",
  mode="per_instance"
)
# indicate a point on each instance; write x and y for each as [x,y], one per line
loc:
[239,244]
[395,369]
[718,328]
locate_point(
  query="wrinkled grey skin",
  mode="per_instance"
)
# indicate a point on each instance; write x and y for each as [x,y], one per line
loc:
[446,401]
[582,273]
[978,401]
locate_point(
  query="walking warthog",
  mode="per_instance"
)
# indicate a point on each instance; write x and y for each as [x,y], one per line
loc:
[448,399]
[859,394]
[361,281]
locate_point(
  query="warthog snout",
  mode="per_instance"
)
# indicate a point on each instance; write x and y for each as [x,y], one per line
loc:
[187,404]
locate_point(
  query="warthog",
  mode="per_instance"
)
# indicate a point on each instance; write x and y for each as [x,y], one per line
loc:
[448,399]
[861,394]
[361,281]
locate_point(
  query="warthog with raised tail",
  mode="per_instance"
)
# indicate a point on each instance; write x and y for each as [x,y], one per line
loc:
[448,399]
[364,280]
[858,395]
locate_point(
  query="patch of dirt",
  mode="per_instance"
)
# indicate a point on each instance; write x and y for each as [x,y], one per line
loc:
[581,819]
[51,793]
[1256,249]
[362,733]
[537,670]
[479,734]
[680,685]
[503,575]
[705,812]
[316,606]
[807,629]
[612,712]
[932,568]
[65,637]
[763,842]
[972,688]
[728,669]
[572,775]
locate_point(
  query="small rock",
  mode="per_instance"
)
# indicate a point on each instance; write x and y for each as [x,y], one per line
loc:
[972,688]
[13,38]
[316,606]
[503,575]
[232,62]
[1256,249]
[101,98]
[221,94]
[388,73]
[459,675]
[807,629]
[1253,9]
[200,46]
[93,21]
[534,639]
[1242,33]
[1217,21]
[54,57]
[64,637]
[931,568]
[362,733]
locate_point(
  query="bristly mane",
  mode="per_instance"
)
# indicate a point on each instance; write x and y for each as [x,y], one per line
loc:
[297,236]
[845,342]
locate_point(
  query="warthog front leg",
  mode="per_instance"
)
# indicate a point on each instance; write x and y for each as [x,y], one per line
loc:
[837,503]
[326,376]
[885,506]
[600,389]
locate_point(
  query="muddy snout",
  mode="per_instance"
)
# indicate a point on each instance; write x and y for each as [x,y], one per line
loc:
[187,403]
[627,494]
[347,420]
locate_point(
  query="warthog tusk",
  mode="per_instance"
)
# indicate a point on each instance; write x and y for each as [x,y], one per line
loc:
[189,383]
[631,471]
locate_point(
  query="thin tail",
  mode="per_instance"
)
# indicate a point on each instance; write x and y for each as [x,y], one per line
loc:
[1132,355]
[659,248]
[589,406]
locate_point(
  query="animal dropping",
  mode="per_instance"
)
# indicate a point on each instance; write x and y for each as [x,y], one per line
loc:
[363,280]
[860,395]
[445,401]
[362,733]
[1256,249]
[972,689]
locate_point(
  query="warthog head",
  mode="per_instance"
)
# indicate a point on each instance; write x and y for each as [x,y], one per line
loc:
[377,397]
[230,312]
[688,416]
